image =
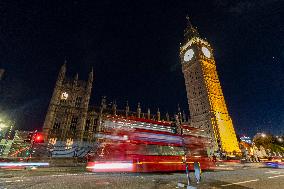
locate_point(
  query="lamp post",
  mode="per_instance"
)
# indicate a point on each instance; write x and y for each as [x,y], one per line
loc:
[180,132]
[186,164]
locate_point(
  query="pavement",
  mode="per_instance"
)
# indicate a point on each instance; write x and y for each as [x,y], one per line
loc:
[237,177]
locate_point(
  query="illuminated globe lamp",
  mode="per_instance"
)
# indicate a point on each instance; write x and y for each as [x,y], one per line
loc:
[6,127]
[2,124]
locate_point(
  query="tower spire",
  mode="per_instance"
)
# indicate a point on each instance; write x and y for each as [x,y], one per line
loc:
[91,75]
[190,30]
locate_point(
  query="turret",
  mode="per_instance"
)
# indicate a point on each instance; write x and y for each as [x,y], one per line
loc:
[76,79]
[158,115]
[61,74]
[90,80]
[184,116]
[114,108]
[126,109]
[138,110]
[179,114]
[53,101]
[91,75]
[167,117]
[103,103]
[177,122]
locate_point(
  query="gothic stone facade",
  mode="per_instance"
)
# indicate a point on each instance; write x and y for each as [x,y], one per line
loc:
[69,116]
[68,109]
[206,102]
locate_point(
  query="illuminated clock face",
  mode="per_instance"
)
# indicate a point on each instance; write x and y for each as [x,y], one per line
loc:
[206,52]
[64,96]
[188,55]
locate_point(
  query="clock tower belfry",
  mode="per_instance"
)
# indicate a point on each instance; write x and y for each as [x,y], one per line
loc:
[207,105]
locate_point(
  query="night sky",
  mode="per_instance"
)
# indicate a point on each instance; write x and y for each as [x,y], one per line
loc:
[134,49]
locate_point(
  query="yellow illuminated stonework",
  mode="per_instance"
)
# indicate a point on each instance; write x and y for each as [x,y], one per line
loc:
[206,101]
[221,121]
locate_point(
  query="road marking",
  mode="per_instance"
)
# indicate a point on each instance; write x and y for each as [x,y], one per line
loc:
[274,172]
[276,176]
[9,181]
[58,175]
[240,182]
[68,174]
[73,174]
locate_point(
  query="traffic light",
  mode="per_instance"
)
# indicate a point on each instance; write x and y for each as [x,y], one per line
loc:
[38,138]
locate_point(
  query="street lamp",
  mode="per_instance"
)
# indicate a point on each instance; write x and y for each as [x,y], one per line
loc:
[2,125]
[263,135]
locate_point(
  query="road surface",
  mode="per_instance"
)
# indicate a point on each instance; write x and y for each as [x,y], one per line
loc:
[240,178]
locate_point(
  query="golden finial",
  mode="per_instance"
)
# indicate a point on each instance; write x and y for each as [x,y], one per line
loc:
[190,31]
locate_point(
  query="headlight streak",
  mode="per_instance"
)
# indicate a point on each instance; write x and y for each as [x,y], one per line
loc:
[22,164]
[113,166]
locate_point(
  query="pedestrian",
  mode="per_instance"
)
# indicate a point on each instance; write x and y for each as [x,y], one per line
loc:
[197,171]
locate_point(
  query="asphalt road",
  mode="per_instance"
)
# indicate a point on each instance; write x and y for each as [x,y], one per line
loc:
[45,178]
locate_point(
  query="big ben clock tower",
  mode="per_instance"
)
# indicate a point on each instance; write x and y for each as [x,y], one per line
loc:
[207,106]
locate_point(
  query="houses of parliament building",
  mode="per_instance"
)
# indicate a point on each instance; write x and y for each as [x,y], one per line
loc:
[70,116]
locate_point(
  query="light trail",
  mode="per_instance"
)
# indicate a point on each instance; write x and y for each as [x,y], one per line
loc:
[16,164]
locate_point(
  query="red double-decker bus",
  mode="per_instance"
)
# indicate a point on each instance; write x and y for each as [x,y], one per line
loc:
[140,145]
